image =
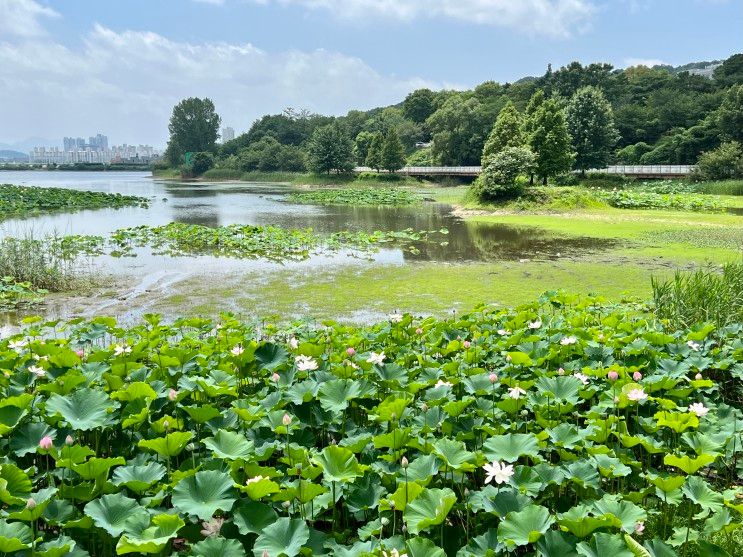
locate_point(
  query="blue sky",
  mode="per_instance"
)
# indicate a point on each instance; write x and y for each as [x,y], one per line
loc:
[84,66]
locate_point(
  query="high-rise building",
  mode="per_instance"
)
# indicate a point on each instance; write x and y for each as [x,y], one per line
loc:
[228,134]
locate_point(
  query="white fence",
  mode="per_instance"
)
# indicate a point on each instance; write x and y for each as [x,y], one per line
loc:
[651,170]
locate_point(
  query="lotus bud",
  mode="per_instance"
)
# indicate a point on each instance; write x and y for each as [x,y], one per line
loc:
[166,424]
[172,394]
[191,447]
[286,420]
[69,440]
[637,376]
[466,344]
[46,443]
[385,521]
[508,357]
[350,351]
[275,377]
[561,371]
[698,377]
[404,462]
[31,503]
[285,504]
[404,528]
[640,527]
[393,416]
[493,378]
[424,407]
[392,504]
[80,353]
[612,375]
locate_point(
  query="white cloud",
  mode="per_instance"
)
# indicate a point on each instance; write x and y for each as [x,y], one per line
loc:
[126,83]
[648,62]
[559,18]
[20,18]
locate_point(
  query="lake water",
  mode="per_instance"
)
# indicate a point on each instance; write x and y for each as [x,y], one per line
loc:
[263,204]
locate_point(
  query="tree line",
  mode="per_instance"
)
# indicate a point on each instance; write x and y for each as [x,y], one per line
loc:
[577,117]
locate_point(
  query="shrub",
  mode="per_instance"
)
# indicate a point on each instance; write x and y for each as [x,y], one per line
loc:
[500,172]
[567,179]
[722,163]
[201,162]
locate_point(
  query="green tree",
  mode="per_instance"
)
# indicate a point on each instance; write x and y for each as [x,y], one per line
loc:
[723,163]
[536,101]
[591,125]
[459,130]
[730,114]
[374,155]
[330,150]
[393,153]
[419,105]
[361,146]
[194,127]
[507,131]
[550,140]
[201,162]
[730,72]
[501,171]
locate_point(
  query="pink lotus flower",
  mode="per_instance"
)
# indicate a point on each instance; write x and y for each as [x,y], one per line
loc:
[637,376]
[69,440]
[640,527]
[466,344]
[31,503]
[493,378]
[351,351]
[212,528]
[80,353]
[612,375]
[419,331]
[275,377]
[404,462]
[46,443]
[172,395]
[286,420]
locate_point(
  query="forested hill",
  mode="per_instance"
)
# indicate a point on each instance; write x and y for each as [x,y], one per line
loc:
[662,115]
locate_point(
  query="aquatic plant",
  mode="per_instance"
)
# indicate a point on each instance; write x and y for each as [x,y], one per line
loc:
[16,295]
[565,427]
[356,196]
[20,201]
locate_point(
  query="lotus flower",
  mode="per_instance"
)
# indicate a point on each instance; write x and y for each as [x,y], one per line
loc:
[493,378]
[305,363]
[395,317]
[567,341]
[293,343]
[212,528]
[637,395]
[516,392]
[637,376]
[17,344]
[612,375]
[419,331]
[693,345]
[351,351]
[46,443]
[375,358]
[442,383]
[504,332]
[500,472]
[286,420]
[69,440]
[237,350]
[583,378]
[37,371]
[172,395]
[535,324]
[120,350]
[466,344]
[699,409]
[640,527]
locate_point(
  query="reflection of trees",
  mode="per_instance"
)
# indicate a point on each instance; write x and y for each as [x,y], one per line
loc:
[187,191]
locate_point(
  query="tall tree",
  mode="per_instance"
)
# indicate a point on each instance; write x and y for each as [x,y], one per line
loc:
[591,125]
[419,105]
[730,114]
[459,130]
[393,153]
[374,155]
[536,100]
[330,149]
[507,131]
[550,140]
[194,127]
[361,146]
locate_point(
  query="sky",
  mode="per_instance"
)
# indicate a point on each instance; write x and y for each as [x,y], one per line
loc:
[82,67]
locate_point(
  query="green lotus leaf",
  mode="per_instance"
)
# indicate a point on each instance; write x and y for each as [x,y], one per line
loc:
[62,546]
[271,356]
[557,544]
[711,550]
[259,488]
[403,495]
[58,512]
[524,527]
[143,536]
[229,445]
[699,492]
[519,359]
[659,549]
[421,547]
[455,454]
[391,408]
[428,509]
[510,447]
[579,523]
[604,545]
[11,414]
[563,389]
[482,546]
[628,513]
[395,439]
[217,547]
[423,469]
[688,464]
[84,409]
[204,493]
[69,455]
[169,446]
[335,395]
[135,391]
[26,438]
[338,464]
[14,536]
[112,511]
[251,517]
[202,414]
[365,493]
[15,485]
[678,421]
[96,468]
[284,537]
[42,497]
[139,477]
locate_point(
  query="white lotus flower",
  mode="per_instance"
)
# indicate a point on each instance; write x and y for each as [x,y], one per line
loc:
[583,378]
[305,363]
[37,371]
[504,332]
[293,343]
[17,344]
[516,392]
[375,358]
[535,324]
[119,349]
[693,345]
[442,383]
[500,472]
[256,479]
[699,409]
[395,317]
[637,395]
[237,350]
[567,341]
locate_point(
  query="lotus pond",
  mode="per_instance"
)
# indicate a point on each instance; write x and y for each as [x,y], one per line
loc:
[567,427]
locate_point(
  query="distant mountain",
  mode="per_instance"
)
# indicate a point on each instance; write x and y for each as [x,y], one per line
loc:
[6,155]
[28,144]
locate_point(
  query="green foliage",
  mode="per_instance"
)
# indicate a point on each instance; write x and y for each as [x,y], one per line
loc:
[459,130]
[507,132]
[374,153]
[702,296]
[30,263]
[356,196]
[723,163]
[393,153]
[268,155]
[550,141]
[330,150]
[500,173]
[361,147]
[632,199]
[194,127]
[594,472]
[15,295]
[201,162]
[730,114]
[590,122]
[23,201]
[419,105]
